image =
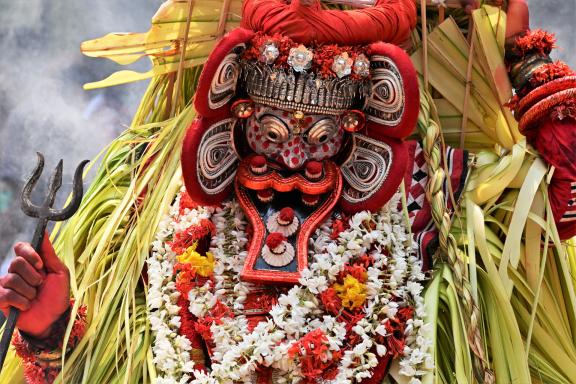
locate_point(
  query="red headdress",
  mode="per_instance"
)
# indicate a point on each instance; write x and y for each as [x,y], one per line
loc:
[211,149]
[306,22]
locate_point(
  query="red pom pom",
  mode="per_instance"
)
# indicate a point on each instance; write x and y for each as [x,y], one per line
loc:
[550,72]
[265,195]
[310,200]
[314,169]
[536,41]
[258,165]
[258,161]
[286,215]
[274,240]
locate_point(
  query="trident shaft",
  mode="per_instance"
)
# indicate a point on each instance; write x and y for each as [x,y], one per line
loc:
[44,213]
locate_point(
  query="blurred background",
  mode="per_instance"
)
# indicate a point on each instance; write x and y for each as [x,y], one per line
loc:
[43,107]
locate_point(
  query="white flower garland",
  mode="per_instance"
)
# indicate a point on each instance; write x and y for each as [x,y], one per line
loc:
[238,352]
[171,351]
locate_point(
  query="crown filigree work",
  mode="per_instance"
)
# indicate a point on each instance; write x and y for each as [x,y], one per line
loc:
[287,89]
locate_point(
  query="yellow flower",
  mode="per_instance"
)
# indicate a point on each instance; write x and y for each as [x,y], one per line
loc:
[204,265]
[352,292]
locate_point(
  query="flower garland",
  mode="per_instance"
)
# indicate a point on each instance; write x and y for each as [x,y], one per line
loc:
[360,298]
[171,350]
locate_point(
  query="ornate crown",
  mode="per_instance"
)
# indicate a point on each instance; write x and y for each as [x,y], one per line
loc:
[326,79]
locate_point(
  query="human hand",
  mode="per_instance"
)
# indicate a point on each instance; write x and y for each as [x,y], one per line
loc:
[38,285]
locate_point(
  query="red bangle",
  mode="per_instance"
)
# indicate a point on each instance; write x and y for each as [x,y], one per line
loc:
[544,107]
[543,92]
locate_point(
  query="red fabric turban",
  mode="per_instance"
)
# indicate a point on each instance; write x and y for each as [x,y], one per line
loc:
[389,21]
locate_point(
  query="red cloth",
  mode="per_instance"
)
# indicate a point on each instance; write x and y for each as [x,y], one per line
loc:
[389,20]
[555,140]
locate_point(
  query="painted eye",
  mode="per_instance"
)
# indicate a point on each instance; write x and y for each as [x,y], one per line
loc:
[274,129]
[321,132]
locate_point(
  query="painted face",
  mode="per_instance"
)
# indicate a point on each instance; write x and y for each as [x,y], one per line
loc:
[293,138]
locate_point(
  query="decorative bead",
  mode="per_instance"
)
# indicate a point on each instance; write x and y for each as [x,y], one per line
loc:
[362,66]
[258,165]
[353,121]
[243,109]
[313,170]
[310,200]
[299,115]
[265,196]
[300,59]
[269,53]
[342,65]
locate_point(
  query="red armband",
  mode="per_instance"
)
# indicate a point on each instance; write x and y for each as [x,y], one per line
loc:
[545,106]
[43,358]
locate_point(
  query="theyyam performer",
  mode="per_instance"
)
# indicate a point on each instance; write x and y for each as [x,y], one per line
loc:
[360,191]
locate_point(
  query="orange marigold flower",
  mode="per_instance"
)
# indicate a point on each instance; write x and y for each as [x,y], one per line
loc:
[202,265]
[352,292]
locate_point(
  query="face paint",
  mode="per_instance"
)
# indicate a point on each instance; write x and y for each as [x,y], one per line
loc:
[293,138]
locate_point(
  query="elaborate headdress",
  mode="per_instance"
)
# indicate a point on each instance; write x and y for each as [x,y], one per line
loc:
[300,57]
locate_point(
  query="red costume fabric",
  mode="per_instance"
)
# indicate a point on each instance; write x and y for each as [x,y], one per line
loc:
[546,109]
[389,20]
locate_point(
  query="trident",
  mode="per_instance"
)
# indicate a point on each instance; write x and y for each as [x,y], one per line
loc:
[44,213]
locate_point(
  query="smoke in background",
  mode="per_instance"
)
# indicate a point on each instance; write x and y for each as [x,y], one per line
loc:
[42,104]
[558,16]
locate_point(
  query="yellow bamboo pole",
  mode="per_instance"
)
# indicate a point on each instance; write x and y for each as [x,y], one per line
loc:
[178,86]
[424,43]
[464,125]
[223,18]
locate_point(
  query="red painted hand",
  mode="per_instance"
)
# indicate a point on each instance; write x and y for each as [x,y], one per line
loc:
[38,285]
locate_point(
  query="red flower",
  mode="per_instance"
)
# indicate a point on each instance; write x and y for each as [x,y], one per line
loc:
[549,72]
[185,239]
[338,226]
[356,271]
[367,260]
[202,326]
[564,110]
[536,41]
[316,361]
[215,316]
[395,339]
[221,310]
[186,278]
[189,329]
[323,53]
[331,301]
[186,202]
[405,313]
